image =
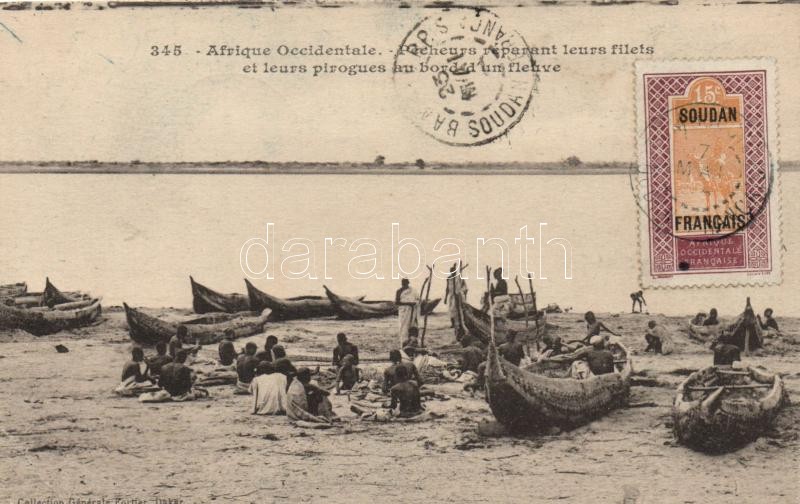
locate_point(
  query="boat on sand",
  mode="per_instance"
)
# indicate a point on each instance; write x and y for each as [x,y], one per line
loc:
[42,320]
[147,330]
[301,307]
[353,309]
[205,300]
[721,408]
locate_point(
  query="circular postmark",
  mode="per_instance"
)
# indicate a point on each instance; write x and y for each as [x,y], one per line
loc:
[464,77]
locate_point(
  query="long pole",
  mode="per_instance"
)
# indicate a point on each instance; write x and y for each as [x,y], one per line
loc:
[525,305]
[427,297]
[491,307]
[535,309]
[458,290]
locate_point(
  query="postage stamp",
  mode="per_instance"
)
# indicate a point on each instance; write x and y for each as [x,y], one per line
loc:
[708,188]
[465,76]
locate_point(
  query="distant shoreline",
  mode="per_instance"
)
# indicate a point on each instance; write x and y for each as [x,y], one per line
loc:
[345,168]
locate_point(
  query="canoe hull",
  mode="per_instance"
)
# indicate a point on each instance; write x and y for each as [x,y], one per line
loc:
[352,309]
[525,401]
[205,300]
[147,330]
[726,423]
[43,322]
[289,309]
[13,290]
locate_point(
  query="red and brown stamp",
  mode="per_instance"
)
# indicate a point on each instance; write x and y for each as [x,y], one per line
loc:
[708,185]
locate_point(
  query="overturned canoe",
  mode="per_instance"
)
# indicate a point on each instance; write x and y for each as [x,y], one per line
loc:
[719,409]
[13,290]
[205,300]
[148,330]
[542,395]
[353,309]
[300,307]
[48,321]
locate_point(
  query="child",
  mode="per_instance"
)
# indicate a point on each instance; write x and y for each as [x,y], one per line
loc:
[348,374]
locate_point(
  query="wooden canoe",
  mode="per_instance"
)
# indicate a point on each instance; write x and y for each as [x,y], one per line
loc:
[301,307]
[205,300]
[476,322]
[353,309]
[542,395]
[13,290]
[740,408]
[147,330]
[44,321]
[50,294]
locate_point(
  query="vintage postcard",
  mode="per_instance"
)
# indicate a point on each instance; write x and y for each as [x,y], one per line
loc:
[358,252]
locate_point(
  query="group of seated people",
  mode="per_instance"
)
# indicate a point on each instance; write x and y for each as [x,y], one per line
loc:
[169,373]
[768,322]
[168,369]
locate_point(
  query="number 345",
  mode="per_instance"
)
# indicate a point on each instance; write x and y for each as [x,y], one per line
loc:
[165,50]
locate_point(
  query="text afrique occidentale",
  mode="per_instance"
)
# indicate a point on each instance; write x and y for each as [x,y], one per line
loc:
[331,67]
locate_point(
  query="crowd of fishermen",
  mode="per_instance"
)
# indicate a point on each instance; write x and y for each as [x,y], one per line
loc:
[278,387]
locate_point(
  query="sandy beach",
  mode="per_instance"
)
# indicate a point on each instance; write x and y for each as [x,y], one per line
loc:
[65,435]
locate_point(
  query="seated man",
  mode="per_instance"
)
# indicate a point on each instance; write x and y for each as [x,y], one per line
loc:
[552,348]
[769,322]
[343,348]
[348,374]
[246,366]
[658,339]
[413,338]
[405,394]
[390,373]
[286,368]
[267,354]
[698,319]
[712,319]
[136,368]
[595,357]
[227,352]
[472,356]
[318,402]
[725,354]
[512,350]
[177,340]
[652,339]
[269,390]
[177,378]
[297,398]
[159,360]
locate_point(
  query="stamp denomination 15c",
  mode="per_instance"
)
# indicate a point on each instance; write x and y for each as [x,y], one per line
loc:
[708,186]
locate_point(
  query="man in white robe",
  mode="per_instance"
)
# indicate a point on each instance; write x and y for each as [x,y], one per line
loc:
[269,391]
[407,301]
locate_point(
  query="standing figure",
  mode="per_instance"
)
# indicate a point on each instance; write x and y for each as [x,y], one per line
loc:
[637,297]
[407,301]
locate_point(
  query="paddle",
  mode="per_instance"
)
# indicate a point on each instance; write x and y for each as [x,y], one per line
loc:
[427,298]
